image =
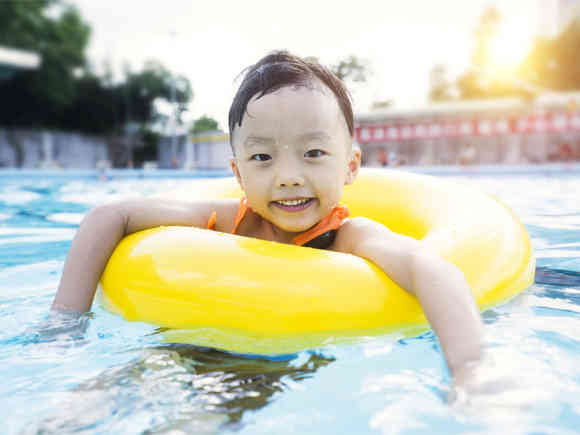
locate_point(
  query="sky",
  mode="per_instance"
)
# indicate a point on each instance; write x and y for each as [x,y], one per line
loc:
[211,42]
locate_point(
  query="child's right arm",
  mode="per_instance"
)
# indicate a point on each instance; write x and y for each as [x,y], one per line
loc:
[440,287]
[104,227]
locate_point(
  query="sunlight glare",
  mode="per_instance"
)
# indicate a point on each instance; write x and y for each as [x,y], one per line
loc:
[510,47]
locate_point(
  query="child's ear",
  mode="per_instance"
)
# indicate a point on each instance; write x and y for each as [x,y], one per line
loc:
[353,165]
[236,171]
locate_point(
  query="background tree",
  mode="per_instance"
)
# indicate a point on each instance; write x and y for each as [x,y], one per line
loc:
[477,82]
[351,69]
[204,123]
[38,98]
[441,88]
[136,98]
[141,90]
[381,104]
[64,93]
[485,33]
[553,63]
[480,80]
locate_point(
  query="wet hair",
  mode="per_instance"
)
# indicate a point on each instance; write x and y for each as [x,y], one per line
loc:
[278,70]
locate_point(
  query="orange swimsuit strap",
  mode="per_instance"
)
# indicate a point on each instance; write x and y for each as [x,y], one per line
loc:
[332,221]
[242,210]
[241,213]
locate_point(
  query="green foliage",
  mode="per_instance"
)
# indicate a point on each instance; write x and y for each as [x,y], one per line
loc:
[95,109]
[40,97]
[441,87]
[141,89]
[57,96]
[150,141]
[382,104]
[204,123]
[554,63]
[485,32]
[351,68]
[478,82]
[23,23]
[477,85]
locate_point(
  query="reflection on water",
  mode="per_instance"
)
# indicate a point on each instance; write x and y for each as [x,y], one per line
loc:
[178,387]
[105,375]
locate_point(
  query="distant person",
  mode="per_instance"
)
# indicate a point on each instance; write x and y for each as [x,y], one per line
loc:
[565,152]
[383,158]
[102,168]
[467,155]
[292,158]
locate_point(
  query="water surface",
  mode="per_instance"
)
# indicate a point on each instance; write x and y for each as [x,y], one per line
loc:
[100,374]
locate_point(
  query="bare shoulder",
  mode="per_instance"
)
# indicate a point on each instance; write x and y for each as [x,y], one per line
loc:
[354,231]
[226,211]
[361,232]
[200,212]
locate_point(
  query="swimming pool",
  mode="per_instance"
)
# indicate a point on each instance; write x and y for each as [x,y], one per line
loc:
[100,374]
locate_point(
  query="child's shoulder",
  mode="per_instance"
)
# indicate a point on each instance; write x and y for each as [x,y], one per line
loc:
[217,214]
[357,230]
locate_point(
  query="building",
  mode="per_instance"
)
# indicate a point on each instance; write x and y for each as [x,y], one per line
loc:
[12,61]
[206,150]
[508,130]
[209,150]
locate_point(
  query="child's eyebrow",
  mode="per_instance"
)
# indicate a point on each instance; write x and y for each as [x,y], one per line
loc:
[258,140]
[261,140]
[314,135]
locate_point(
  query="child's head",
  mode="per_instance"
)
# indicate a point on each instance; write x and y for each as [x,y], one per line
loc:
[281,69]
[291,127]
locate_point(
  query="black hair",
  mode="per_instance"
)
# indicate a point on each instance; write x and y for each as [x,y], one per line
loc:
[280,69]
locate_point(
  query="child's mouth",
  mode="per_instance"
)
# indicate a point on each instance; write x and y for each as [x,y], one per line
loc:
[298,204]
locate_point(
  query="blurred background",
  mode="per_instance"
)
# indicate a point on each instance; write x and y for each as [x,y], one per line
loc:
[134,84]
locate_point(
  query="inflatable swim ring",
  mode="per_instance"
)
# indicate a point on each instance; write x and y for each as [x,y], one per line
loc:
[252,296]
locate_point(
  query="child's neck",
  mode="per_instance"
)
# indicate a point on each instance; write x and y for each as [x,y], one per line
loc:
[266,230]
[278,234]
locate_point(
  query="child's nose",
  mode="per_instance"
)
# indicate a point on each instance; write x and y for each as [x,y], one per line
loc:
[291,183]
[290,172]
[288,180]
[290,177]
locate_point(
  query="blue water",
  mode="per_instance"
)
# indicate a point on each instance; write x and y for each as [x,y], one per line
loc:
[100,374]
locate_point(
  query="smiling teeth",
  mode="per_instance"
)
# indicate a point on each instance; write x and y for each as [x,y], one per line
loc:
[293,202]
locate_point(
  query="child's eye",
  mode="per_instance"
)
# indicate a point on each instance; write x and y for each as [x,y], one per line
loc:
[261,157]
[314,153]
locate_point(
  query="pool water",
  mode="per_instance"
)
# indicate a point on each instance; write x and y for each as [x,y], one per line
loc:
[100,374]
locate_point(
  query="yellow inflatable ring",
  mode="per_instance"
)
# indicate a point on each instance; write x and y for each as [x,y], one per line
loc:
[252,296]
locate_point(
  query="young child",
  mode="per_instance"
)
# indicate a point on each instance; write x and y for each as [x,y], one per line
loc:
[291,131]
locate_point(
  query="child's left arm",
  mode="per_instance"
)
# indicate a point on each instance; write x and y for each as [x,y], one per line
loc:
[440,287]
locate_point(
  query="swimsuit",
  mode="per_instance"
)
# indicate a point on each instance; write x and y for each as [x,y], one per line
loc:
[321,236]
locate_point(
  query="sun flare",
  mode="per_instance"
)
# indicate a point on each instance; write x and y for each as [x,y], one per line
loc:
[510,46]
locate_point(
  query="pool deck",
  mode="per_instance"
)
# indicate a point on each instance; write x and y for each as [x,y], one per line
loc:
[475,170]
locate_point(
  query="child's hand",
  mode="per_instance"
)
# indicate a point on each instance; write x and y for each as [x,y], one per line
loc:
[64,327]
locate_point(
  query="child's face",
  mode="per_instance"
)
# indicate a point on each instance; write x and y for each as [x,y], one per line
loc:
[293,155]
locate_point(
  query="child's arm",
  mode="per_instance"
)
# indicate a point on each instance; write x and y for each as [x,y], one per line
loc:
[103,228]
[440,287]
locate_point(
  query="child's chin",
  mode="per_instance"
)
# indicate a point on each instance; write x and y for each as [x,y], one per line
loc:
[296,228]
